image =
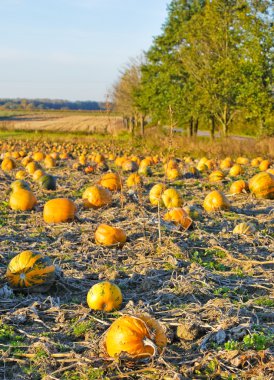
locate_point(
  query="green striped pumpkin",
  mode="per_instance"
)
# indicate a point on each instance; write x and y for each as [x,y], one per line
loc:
[31,270]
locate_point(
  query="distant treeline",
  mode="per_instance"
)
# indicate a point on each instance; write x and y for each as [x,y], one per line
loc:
[50,104]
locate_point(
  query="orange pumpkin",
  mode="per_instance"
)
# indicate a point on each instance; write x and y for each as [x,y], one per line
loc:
[21,174]
[235,170]
[216,201]
[172,198]
[8,164]
[178,216]
[22,200]
[109,236]
[59,210]
[96,197]
[31,270]
[216,176]
[264,165]
[238,187]
[111,181]
[38,174]
[32,167]
[134,180]
[173,174]
[138,337]
[104,296]
[262,185]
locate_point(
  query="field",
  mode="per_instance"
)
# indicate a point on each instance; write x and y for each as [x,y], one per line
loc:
[61,121]
[211,290]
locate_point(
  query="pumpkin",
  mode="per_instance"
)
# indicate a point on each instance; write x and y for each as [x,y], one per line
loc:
[216,176]
[49,162]
[255,162]
[173,174]
[22,200]
[31,270]
[26,160]
[138,336]
[96,197]
[216,201]
[38,156]
[19,184]
[129,166]
[47,182]
[226,163]
[235,170]
[244,229]
[104,296]
[238,187]
[145,171]
[111,181]
[155,194]
[38,174]
[242,161]
[8,164]
[32,167]
[264,165]
[21,174]
[178,216]
[109,236]
[171,164]
[262,185]
[271,171]
[134,180]
[59,210]
[171,198]
[193,212]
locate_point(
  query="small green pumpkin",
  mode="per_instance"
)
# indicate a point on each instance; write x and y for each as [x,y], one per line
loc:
[47,182]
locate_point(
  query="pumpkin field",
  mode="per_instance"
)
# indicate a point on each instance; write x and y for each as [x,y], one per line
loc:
[118,261]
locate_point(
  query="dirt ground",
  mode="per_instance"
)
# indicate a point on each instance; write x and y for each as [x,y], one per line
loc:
[211,290]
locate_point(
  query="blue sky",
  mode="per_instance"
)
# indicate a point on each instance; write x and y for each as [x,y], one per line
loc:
[72,49]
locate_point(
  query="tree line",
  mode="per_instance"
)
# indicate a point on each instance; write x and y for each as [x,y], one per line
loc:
[50,104]
[211,64]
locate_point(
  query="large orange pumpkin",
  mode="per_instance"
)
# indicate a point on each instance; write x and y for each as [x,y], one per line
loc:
[216,176]
[134,180]
[59,210]
[138,336]
[111,181]
[262,185]
[96,197]
[22,199]
[264,165]
[104,296]
[31,270]
[108,235]
[178,216]
[235,170]
[216,201]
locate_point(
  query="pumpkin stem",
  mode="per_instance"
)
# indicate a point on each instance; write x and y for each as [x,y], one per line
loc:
[148,342]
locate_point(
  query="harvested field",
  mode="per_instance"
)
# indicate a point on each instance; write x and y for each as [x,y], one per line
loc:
[211,290]
[56,122]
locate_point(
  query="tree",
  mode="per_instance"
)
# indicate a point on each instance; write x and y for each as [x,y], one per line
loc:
[166,89]
[226,55]
[125,96]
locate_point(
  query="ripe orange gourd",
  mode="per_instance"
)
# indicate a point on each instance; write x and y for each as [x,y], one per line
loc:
[38,174]
[129,166]
[104,296]
[173,174]
[138,336]
[238,187]
[235,170]
[262,185]
[8,164]
[38,156]
[49,162]
[22,200]
[96,197]
[178,216]
[264,165]
[21,174]
[111,181]
[216,201]
[134,180]
[226,163]
[172,198]
[32,167]
[19,184]
[59,210]
[31,270]
[216,176]
[109,236]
